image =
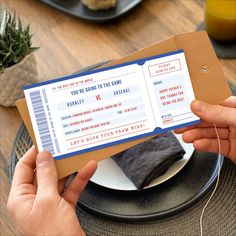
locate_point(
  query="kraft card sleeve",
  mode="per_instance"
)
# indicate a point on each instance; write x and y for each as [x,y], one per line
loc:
[93,110]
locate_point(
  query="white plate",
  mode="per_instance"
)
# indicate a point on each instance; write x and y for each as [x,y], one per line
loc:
[110,175]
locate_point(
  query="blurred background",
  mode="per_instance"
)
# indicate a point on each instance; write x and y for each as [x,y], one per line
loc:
[72,37]
[68,43]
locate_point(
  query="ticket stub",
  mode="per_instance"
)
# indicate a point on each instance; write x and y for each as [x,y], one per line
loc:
[104,107]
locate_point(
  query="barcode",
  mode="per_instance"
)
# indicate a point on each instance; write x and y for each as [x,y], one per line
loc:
[41,121]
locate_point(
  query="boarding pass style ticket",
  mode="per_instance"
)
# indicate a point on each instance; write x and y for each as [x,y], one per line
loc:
[104,107]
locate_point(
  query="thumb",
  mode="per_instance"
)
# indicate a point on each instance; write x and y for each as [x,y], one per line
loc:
[46,173]
[214,113]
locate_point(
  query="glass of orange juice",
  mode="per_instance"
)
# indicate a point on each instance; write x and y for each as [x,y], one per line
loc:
[220,19]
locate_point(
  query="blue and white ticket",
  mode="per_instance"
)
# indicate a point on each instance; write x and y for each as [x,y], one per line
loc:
[104,107]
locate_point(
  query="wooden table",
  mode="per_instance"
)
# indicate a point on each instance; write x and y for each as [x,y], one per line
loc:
[68,44]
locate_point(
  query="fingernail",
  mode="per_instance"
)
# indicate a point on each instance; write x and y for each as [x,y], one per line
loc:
[43,158]
[197,106]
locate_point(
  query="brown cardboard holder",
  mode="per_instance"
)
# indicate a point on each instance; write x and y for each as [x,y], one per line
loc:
[207,79]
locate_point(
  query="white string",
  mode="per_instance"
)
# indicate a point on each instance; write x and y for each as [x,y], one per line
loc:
[217,181]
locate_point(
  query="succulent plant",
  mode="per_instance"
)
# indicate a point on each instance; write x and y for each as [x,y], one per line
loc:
[15,40]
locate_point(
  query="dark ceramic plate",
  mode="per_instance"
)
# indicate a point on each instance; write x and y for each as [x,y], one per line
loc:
[169,198]
[166,199]
[76,8]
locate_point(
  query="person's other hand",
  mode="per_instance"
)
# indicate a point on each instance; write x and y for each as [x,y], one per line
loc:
[39,203]
[203,135]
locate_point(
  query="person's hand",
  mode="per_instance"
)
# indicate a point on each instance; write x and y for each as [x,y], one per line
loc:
[39,203]
[203,135]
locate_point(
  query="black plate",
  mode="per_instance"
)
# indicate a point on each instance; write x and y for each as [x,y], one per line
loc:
[175,195]
[76,8]
[169,198]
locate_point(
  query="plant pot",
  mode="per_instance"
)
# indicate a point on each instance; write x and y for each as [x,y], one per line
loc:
[15,77]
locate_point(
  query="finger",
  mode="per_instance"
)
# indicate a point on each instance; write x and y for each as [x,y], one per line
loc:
[24,171]
[46,172]
[212,145]
[201,133]
[184,129]
[214,113]
[202,124]
[78,184]
[230,102]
